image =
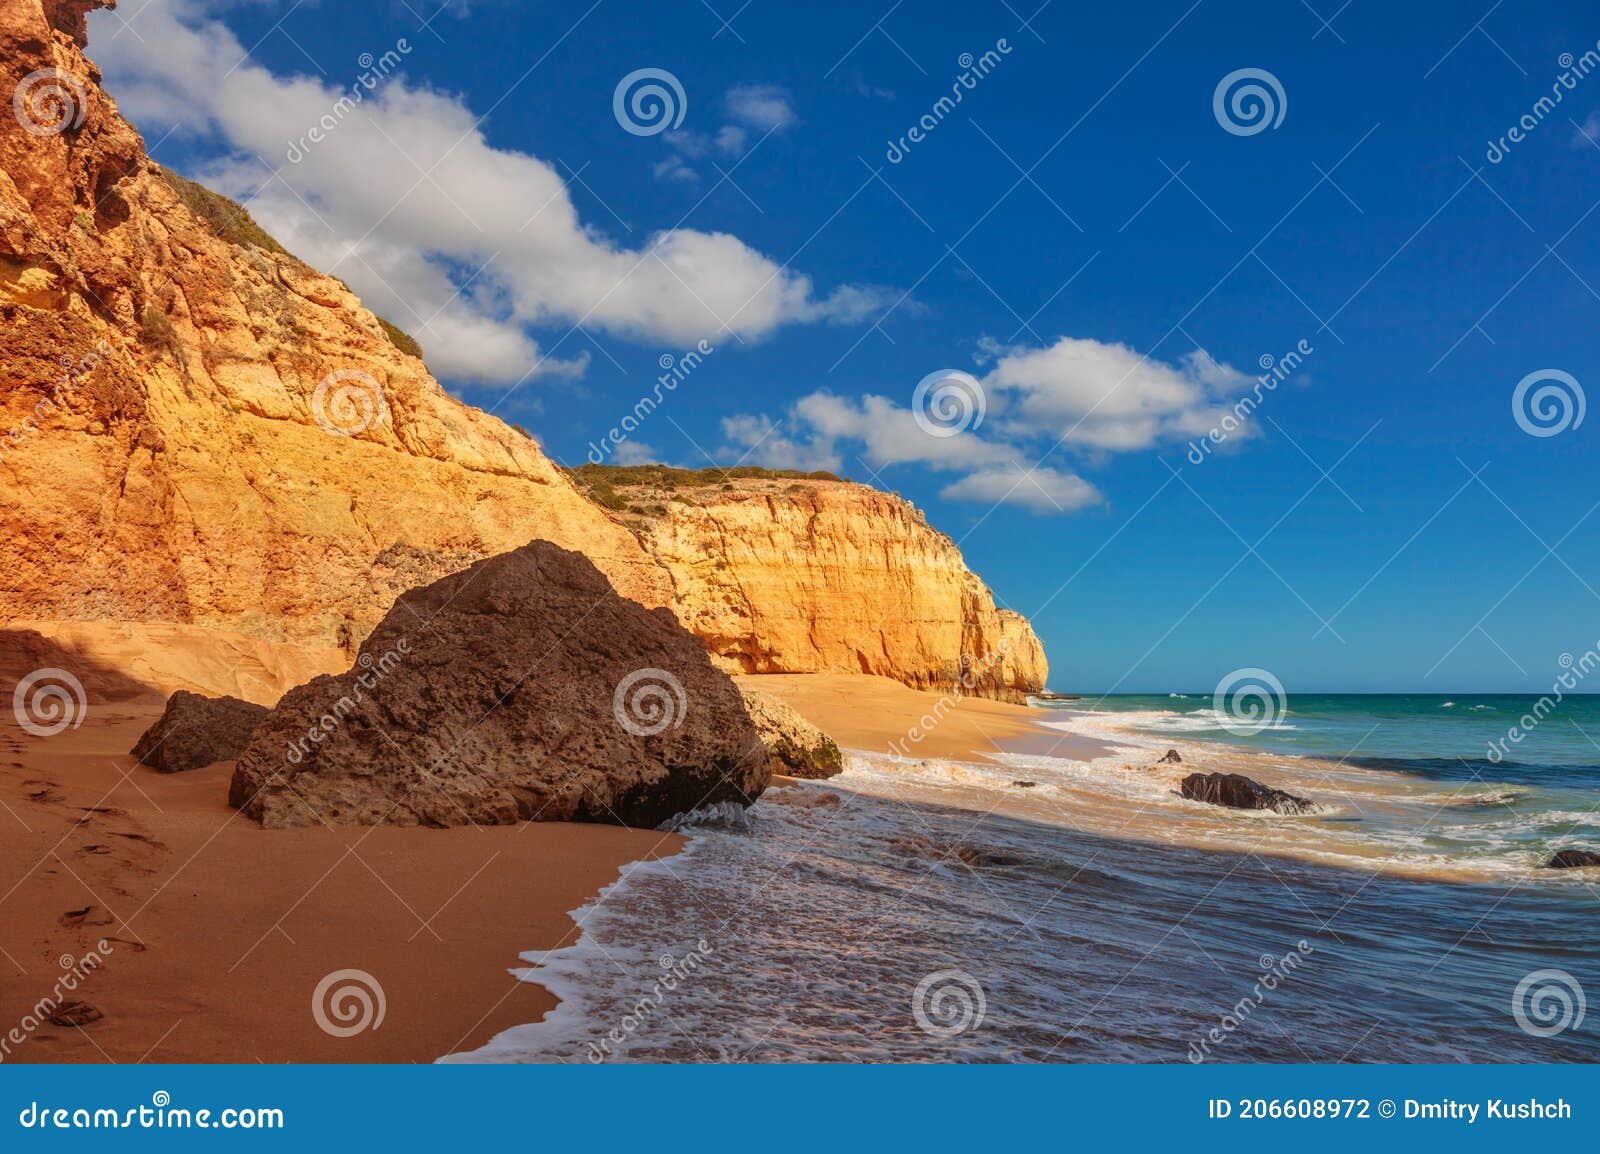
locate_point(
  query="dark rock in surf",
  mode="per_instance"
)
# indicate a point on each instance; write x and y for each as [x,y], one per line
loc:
[1171,758]
[1573,859]
[196,731]
[1236,791]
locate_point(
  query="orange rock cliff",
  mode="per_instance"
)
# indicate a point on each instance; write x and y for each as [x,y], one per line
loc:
[200,434]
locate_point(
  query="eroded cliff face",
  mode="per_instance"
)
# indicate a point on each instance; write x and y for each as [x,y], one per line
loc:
[200,432]
[781,575]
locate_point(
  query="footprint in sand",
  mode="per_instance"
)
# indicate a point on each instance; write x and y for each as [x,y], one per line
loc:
[87,916]
[42,791]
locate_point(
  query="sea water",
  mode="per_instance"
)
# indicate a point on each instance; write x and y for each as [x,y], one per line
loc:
[1029,907]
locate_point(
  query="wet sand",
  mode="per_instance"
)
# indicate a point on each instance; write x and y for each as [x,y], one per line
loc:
[218,932]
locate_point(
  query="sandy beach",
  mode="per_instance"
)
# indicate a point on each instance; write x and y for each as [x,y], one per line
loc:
[219,932]
[878,715]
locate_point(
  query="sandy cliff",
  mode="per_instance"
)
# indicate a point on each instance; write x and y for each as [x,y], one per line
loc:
[780,575]
[166,422]
[199,432]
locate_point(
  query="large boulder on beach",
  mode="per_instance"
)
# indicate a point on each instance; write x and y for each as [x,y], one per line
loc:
[521,689]
[1236,791]
[1572,859]
[195,731]
[798,748]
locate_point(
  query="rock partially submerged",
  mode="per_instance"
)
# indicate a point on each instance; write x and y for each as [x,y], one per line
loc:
[1572,859]
[522,689]
[799,748]
[1236,791]
[196,731]
[1171,758]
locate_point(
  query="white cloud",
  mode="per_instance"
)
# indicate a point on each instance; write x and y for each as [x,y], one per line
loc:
[764,107]
[1077,394]
[1587,135]
[760,439]
[407,201]
[1042,489]
[636,453]
[674,168]
[1107,396]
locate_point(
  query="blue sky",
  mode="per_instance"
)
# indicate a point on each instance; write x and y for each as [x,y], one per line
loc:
[1426,280]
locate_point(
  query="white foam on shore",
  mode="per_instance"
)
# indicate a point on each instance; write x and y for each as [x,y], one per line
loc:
[812,915]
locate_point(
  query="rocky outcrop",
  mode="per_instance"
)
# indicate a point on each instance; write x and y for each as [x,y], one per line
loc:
[1171,757]
[522,689]
[196,731]
[1236,791]
[197,429]
[1570,859]
[798,748]
[816,576]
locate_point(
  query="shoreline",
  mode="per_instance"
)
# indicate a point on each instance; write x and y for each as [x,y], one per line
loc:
[218,933]
[878,715]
